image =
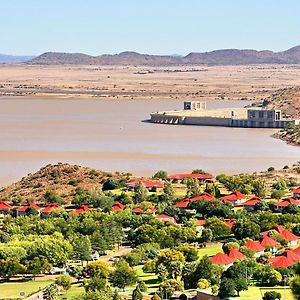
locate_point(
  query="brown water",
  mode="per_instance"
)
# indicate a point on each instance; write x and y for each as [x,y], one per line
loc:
[110,135]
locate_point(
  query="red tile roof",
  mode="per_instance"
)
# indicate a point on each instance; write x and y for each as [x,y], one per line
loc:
[30,204]
[252,202]
[234,196]
[49,208]
[146,183]
[197,176]
[288,201]
[281,262]
[82,209]
[4,205]
[117,206]
[137,210]
[268,242]
[200,222]
[183,204]
[254,246]
[279,228]
[203,196]
[296,191]
[221,259]
[292,255]
[287,235]
[235,254]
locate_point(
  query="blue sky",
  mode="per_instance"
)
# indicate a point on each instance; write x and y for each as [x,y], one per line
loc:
[147,26]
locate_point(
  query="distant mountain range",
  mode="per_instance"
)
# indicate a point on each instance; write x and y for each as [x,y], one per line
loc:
[217,57]
[12,59]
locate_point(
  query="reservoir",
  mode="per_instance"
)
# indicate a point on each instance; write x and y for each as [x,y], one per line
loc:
[113,135]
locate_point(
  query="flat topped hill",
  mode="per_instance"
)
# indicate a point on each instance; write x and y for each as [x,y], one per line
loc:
[287,99]
[63,179]
[217,57]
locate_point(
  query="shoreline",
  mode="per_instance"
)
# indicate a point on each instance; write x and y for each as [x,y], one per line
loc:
[287,140]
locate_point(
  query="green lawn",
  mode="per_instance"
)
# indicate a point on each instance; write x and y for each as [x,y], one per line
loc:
[75,290]
[257,292]
[150,279]
[13,289]
[210,250]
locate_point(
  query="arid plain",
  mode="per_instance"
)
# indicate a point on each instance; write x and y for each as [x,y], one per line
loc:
[252,82]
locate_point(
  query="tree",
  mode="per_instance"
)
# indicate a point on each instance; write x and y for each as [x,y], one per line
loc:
[77,272]
[218,227]
[280,185]
[259,188]
[240,284]
[277,194]
[272,295]
[295,286]
[227,288]
[202,270]
[168,193]
[161,175]
[64,281]
[51,197]
[82,247]
[193,187]
[140,193]
[97,268]
[172,260]
[266,220]
[97,283]
[244,228]
[123,274]
[10,267]
[168,287]
[203,284]
[111,184]
[137,294]
[206,235]
[267,276]
[190,253]
[37,265]
[50,292]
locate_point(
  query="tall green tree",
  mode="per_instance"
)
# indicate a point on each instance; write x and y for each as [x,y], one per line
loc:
[140,193]
[123,274]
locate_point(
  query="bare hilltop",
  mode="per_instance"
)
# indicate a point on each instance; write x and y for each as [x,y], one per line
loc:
[217,57]
[286,99]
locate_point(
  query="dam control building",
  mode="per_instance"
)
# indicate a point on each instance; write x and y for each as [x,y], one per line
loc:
[196,113]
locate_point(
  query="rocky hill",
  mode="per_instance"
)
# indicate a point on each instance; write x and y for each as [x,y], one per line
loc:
[62,179]
[287,99]
[217,57]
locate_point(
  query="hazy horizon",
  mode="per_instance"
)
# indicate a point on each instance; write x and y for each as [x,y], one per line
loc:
[107,27]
